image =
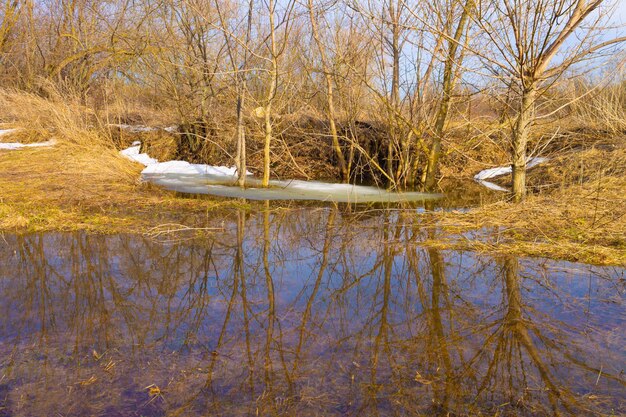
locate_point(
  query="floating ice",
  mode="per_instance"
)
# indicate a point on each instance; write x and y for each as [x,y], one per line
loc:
[220,184]
[190,178]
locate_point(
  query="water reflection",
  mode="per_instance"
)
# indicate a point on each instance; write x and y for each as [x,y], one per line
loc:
[303,312]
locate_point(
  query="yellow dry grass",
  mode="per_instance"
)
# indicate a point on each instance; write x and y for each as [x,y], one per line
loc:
[64,188]
[584,223]
[80,183]
[83,183]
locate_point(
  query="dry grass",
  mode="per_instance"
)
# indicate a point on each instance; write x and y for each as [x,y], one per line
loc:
[584,223]
[577,207]
[26,135]
[83,183]
[61,188]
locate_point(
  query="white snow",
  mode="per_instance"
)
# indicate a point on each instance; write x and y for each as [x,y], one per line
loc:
[492,186]
[133,154]
[17,145]
[498,171]
[154,167]
[7,131]
[185,168]
[492,172]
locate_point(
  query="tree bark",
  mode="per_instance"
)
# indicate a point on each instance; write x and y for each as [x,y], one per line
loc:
[394,16]
[240,158]
[519,141]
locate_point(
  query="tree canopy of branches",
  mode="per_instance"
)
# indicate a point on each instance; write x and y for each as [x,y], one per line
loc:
[380,84]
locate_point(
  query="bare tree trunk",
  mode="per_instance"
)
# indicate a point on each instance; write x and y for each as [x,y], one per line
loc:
[345,174]
[270,98]
[519,141]
[241,76]
[444,106]
[240,158]
[266,147]
[395,85]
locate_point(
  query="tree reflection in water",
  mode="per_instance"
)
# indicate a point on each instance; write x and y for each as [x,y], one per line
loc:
[303,312]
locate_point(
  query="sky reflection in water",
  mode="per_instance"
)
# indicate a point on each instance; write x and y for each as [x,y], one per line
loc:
[303,312]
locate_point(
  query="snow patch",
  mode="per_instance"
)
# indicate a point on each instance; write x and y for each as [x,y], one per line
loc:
[17,145]
[185,168]
[498,171]
[492,186]
[185,177]
[133,153]
[7,131]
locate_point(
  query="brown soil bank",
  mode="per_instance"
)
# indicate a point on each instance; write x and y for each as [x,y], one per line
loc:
[302,149]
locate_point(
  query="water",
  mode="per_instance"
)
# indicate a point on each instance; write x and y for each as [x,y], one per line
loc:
[316,311]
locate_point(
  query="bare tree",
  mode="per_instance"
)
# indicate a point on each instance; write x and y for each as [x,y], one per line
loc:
[330,95]
[275,53]
[9,13]
[452,63]
[531,45]
[240,71]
